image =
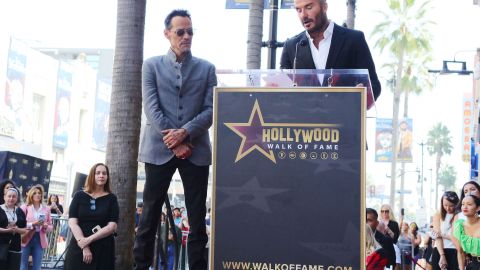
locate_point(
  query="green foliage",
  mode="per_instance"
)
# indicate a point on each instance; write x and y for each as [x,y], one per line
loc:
[405,33]
[447,177]
[439,140]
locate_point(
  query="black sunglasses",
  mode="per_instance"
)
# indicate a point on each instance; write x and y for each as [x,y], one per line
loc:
[180,32]
[92,205]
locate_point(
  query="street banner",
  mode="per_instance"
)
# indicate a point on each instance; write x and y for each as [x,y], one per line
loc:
[467,126]
[15,119]
[289,178]
[102,113]
[384,140]
[62,107]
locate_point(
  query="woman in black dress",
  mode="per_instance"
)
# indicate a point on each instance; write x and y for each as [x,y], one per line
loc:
[93,217]
[12,226]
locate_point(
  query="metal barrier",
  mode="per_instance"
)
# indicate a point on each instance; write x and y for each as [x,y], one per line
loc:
[58,238]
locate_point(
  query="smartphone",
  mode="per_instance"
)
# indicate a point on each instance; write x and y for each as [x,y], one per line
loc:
[41,217]
[96,229]
[402,211]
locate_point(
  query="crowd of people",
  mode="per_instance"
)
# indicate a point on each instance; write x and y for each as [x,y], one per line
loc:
[24,226]
[451,242]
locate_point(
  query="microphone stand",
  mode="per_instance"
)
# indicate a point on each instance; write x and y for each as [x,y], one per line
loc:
[295,65]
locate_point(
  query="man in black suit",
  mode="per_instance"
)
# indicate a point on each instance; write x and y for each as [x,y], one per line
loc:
[326,45]
[382,238]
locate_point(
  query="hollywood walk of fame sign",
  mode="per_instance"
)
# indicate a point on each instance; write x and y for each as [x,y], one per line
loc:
[288,178]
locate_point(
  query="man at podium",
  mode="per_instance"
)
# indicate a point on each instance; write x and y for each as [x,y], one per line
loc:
[326,45]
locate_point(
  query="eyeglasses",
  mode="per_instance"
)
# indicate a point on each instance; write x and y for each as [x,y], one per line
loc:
[385,211]
[180,32]
[92,205]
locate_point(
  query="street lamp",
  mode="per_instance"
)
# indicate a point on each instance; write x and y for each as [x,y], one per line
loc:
[452,67]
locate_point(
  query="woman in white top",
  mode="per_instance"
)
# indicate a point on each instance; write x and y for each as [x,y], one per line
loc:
[444,254]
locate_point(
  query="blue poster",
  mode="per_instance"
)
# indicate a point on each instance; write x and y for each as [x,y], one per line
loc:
[101,115]
[383,140]
[14,115]
[62,106]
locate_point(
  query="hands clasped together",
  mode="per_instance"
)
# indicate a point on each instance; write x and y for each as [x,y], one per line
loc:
[174,140]
[12,228]
[84,243]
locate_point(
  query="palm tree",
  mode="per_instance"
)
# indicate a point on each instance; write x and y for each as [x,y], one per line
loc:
[405,34]
[125,119]
[447,177]
[439,144]
[351,7]
[255,33]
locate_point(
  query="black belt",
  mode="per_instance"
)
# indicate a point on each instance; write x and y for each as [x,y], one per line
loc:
[474,258]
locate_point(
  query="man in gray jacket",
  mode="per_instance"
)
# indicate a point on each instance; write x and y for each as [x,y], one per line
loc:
[177,99]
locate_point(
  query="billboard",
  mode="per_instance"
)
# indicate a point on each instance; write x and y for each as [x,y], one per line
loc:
[384,140]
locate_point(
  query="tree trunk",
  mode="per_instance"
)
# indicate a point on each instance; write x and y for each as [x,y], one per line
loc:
[396,108]
[402,179]
[437,169]
[125,120]
[351,7]
[255,34]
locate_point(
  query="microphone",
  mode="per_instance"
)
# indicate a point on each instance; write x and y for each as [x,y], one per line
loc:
[302,42]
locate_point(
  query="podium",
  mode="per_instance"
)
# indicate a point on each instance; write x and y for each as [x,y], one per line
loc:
[289,170]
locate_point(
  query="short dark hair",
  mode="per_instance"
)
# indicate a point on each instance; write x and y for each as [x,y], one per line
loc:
[373,212]
[174,13]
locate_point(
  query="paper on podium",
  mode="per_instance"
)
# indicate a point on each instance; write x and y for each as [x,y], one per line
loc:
[278,80]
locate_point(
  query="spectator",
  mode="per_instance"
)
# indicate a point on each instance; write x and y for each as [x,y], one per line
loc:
[167,262]
[425,261]
[376,258]
[39,223]
[470,187]
[388,219]
[444,254]
[208,216]
[416,238]
[177,217]
[93,217]
[466,234]
[12,226]
[4,186]
[55,207]
[138,214]
[405,243]
[379,232]
[392,230]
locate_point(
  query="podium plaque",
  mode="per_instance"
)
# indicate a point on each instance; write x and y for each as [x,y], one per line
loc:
[289,178]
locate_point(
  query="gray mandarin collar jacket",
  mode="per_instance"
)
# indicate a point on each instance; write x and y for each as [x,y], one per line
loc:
[177,95]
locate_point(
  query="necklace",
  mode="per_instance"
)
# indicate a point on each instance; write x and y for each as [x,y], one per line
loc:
[11,214]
